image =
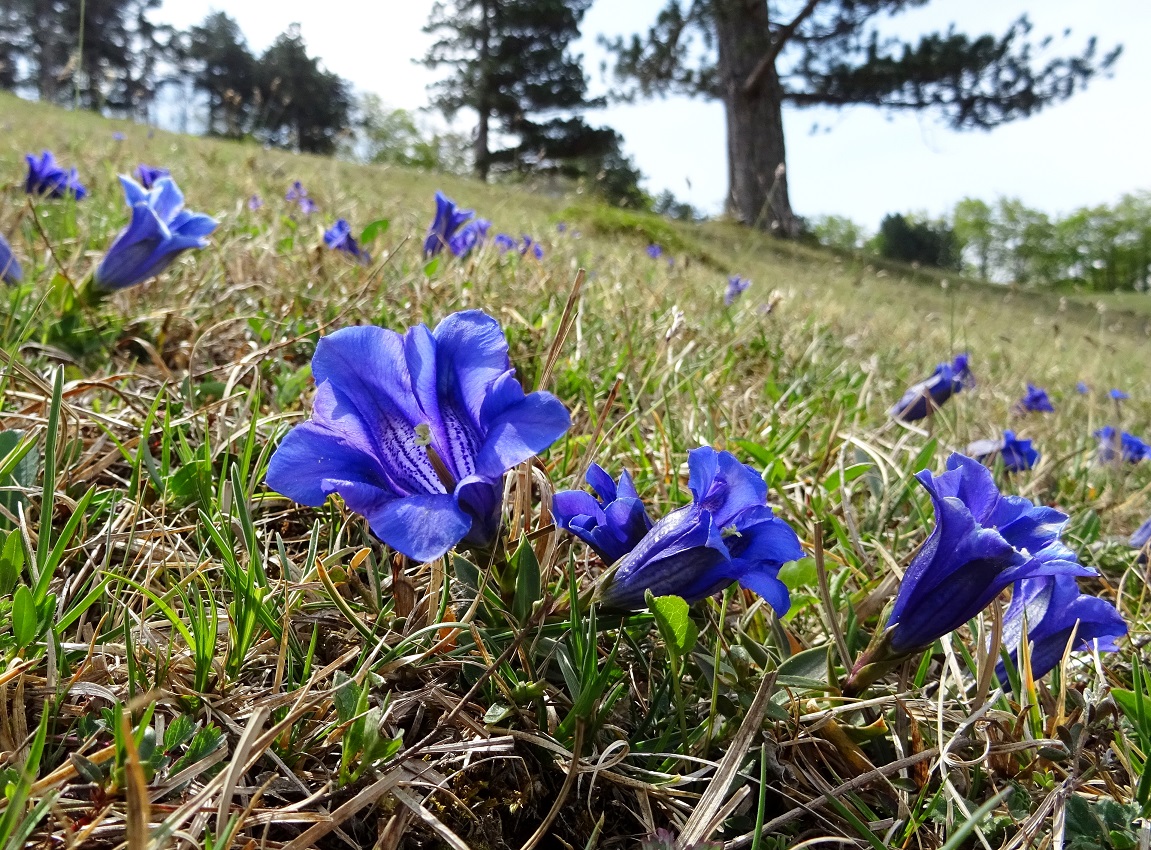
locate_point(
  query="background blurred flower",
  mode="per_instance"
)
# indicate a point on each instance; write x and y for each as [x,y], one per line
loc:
[1119,395]
[983,541]
[611,525]
[926,396]
[149,175]
[1018,455]
[339,238]
[254,203]
[160,230]
[10,271]
[1036,401]
[727,534]
[47,178]
[447,221]
[736,286]
[415,432]
[1052,608]
[468,237]
[299,195]
[529,245]
[505,242]
[654,251]
[1113,444]
[1082,388]
[1142,535]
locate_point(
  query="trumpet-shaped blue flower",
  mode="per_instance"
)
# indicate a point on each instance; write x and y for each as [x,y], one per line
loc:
[339,238]
[150,174]
[1125,445]
[983,541]
[1036,401]
[1119,395]
[443,228]
[1142,535]
[505,242]
[1052,608]
[1082,388]
[1018,455]
[654,251]
[468,237]
[736,286]
[727,534]
[160,230]
[47,178]
[415,432]
[530,246]
[10,271]
[926,396]
[255,202]
[613,524]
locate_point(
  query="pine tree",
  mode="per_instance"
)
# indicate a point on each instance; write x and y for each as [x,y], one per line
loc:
[224,70]
[755,56]
[513,67]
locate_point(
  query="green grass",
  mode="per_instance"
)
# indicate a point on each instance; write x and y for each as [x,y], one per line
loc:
[189,654]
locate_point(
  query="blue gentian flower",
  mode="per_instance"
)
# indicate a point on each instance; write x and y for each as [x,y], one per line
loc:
[1036,401]
[255,202]
[448,220]
[1018,455]
[1082,388]
[1119,395]
[1131,448]
[530,245]
[159,231]
[727,534]
[611,525]
[983,541]
[45,177]
[1053,608]
[415,432]
[561,227]
[10,271]
[299,195]
[149,175]
[339,238]
[654,251]
[926,396]
[1142,535]
[468,236]
[505,242]
[118,136]
[736,286]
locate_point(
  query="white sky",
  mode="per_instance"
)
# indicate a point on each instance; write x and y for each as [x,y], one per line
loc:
[859,162]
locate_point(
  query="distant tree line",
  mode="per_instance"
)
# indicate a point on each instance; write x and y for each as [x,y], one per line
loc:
[1105,248]
[510,61]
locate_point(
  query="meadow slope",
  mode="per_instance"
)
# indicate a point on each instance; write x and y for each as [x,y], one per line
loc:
[194,660]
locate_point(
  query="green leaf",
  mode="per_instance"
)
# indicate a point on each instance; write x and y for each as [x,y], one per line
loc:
[374,230]
[25,623]
[11,562]
[801,573]
[528,588]
[672,615]
[810,665]
[432,266]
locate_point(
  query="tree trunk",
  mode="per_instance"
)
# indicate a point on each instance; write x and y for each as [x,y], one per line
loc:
[757,181]
[483,103]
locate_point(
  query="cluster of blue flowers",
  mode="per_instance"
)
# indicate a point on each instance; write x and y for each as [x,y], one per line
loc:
[298,195]
[47,178]
[984,542]
[160,228]
[1115,445]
